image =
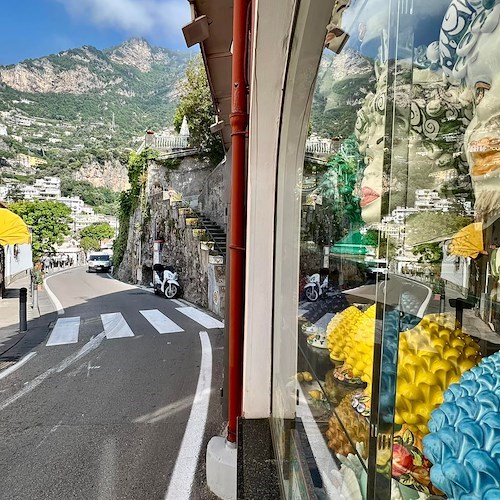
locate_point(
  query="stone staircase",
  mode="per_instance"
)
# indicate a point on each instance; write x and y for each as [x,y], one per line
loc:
[215,233]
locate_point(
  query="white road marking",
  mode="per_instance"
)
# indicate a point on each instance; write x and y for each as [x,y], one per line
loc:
[161,322]
[166,411]
[178,302]
[90,367]
[181,482]
[65,363]
[115,326]
[200,317]
[54,429]
[18,365]
[65,331]
[106,486]
[53,298]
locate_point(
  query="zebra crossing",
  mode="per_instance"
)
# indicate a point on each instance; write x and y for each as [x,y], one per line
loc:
[66,330]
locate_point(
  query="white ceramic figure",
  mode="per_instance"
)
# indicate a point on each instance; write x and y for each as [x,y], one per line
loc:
[469,41]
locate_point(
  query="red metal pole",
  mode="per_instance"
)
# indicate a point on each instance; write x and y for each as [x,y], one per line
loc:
[238,119]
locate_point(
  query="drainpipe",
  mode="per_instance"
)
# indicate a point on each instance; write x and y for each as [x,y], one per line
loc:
[238,120]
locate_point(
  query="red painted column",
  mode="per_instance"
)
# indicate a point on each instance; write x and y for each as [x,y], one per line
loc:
[238,119]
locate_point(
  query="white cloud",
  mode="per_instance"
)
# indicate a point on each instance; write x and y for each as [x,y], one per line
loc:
[158,18]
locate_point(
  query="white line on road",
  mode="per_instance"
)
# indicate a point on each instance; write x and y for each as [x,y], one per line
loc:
[54,429]
[161,322]
[115,326]
[65,363]
[65,331]
[53,298]
[181,482]
[178,302]
[20,363]
[200,317]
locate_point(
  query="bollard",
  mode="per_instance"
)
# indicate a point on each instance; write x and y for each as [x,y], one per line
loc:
[23,299]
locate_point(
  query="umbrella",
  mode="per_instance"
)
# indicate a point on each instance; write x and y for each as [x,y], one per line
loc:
[13,230]
[468,242]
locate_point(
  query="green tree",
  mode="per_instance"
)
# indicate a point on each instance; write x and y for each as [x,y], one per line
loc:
[197,106]
[341,209]
[430,253]
[97,231]
[15,194]
[87,243]
[49,220]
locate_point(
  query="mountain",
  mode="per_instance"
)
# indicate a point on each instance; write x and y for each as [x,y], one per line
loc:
[135,81]
[86,105]
[343,82]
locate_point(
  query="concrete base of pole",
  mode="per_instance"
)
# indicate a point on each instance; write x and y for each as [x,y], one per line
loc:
[221,468]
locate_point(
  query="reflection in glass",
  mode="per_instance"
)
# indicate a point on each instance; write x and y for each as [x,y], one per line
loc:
[400,222]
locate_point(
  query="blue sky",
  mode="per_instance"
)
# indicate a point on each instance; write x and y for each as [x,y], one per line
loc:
[34,28]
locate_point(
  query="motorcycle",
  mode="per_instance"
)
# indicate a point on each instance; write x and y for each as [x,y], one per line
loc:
[165,281]
[314,288]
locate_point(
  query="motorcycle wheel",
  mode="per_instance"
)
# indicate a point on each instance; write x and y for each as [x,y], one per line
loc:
[311,294]
[170,291]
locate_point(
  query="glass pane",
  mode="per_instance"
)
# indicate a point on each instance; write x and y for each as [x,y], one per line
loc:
[399,271]
[343,262]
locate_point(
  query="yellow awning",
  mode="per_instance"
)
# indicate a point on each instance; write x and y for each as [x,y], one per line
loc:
[13,230]
[468,242]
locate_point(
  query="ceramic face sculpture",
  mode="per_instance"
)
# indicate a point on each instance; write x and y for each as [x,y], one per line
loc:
[431,117]
[469,42]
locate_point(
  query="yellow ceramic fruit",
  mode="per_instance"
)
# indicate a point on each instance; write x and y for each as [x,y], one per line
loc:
[432,356]
[316,395]
[340,331]
[360,358]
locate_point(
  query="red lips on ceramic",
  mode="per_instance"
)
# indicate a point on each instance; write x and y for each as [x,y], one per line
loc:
[368,195]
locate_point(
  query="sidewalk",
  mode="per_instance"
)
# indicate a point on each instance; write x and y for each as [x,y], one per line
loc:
[14,344]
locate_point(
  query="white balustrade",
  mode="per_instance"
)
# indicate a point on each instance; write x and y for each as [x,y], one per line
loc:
[322,147]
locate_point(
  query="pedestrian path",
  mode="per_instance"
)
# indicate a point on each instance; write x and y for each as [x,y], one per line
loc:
[66,330]
[160,322]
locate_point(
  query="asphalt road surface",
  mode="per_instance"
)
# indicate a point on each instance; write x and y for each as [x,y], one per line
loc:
[101,410]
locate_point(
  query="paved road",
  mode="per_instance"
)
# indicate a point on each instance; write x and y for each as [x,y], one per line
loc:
[100,411]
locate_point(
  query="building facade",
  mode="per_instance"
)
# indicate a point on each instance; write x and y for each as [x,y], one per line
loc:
[379,384]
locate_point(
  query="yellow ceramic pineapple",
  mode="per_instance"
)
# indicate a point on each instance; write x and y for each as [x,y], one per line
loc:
[340,331]
[432,355]
[360,352]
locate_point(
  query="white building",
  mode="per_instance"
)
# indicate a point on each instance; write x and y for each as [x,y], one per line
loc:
[426,199]
[75,203]
[83,220]
[30,192]
[48,187]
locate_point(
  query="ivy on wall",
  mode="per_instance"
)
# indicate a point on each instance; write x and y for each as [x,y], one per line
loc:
[130,199]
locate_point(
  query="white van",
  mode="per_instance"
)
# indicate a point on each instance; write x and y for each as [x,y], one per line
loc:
[99,261]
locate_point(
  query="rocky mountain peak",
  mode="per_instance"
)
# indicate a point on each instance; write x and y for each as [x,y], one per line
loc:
[135,52]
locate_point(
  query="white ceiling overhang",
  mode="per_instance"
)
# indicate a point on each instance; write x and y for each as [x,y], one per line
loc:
[216,52]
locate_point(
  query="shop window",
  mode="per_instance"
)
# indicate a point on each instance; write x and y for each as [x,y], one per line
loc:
[398,370]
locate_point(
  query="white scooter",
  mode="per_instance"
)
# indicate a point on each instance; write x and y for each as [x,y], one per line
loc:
[314,288]
[165,281]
